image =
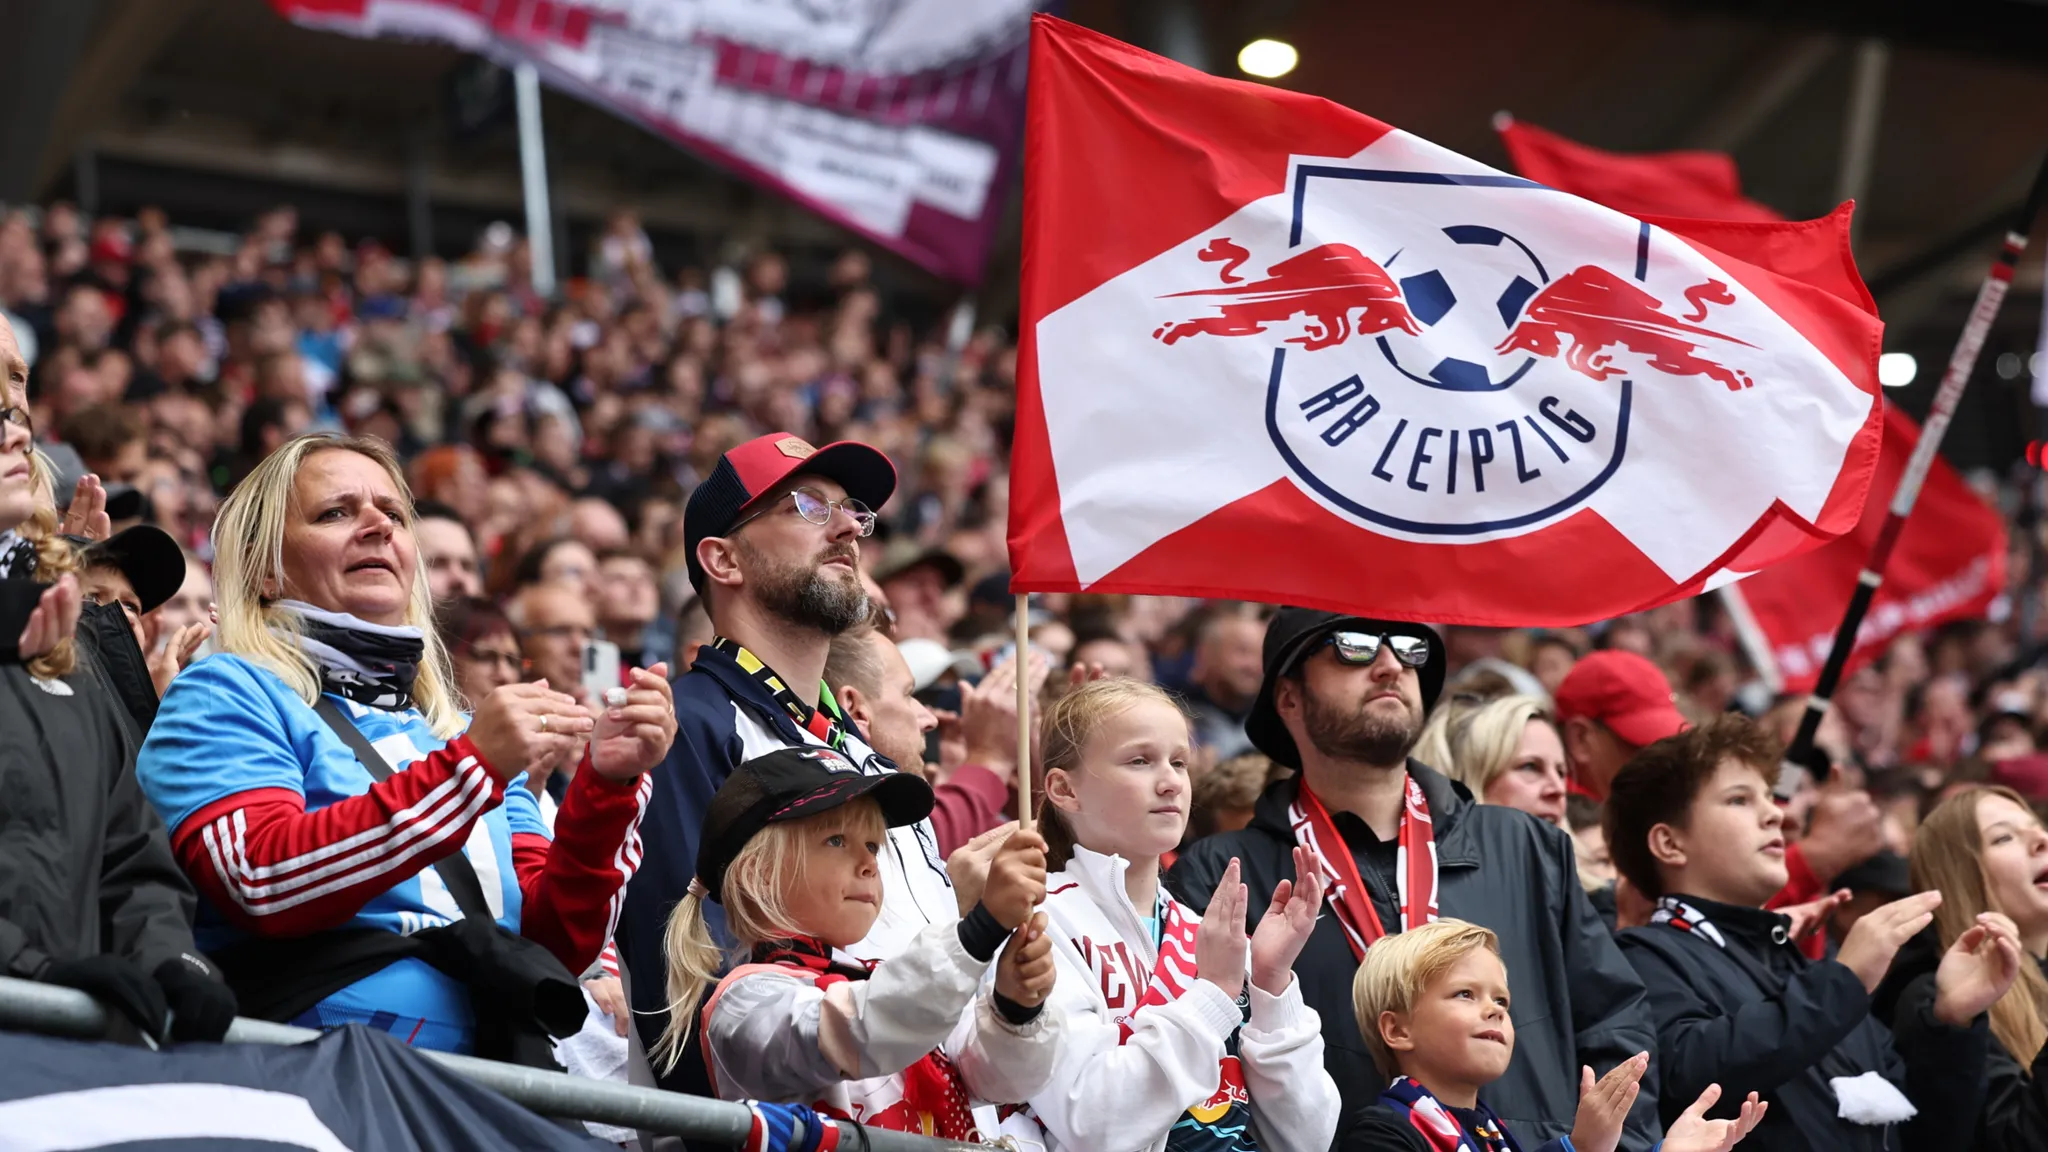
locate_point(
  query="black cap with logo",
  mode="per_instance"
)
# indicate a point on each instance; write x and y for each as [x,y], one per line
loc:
[791,784]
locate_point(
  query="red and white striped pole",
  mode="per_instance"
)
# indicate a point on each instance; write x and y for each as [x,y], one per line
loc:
[1990,297]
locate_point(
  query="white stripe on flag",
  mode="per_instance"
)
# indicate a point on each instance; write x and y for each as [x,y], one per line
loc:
[130,1113]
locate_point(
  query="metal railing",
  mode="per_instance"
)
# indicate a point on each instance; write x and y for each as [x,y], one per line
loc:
[29,1006]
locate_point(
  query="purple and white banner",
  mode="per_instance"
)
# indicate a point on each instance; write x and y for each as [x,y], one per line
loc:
[899,119]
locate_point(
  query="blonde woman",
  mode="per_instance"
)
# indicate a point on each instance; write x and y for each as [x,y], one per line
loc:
[1985,851]
[315,767]
[1507,751]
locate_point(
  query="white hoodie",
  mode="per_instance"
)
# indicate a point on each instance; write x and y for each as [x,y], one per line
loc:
[1112,1095]
[772,1033]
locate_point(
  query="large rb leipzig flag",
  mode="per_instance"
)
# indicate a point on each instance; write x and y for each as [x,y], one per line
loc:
[1277,350]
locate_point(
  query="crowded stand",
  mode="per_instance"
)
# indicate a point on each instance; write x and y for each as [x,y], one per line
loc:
[627,682]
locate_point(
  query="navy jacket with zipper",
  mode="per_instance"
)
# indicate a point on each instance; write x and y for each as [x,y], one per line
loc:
[1575,1000]
[1716,1024]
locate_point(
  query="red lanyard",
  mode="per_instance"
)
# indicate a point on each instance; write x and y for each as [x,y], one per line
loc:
[1414,865]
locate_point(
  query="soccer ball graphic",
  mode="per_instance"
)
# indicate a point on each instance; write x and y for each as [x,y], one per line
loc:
[1464,312]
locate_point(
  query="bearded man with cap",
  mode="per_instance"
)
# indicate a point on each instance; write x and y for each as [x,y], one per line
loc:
[1343,701]
[773,538]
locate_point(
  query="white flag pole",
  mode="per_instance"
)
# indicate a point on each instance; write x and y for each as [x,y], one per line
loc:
[533,175]
[1020,663]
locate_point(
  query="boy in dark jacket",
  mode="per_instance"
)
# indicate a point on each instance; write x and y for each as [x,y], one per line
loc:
[1692,823]
[1433,1007]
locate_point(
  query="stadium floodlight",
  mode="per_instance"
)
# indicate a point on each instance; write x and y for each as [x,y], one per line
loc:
[1267,59]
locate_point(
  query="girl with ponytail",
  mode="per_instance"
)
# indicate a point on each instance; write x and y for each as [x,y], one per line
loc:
[1169,1045]
[789,852]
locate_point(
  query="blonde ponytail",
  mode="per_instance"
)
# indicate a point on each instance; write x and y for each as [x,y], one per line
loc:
[693,963]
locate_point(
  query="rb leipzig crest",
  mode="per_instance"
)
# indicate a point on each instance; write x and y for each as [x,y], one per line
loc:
[1441,365]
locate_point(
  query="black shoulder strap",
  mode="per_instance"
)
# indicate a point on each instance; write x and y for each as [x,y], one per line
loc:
[456,873]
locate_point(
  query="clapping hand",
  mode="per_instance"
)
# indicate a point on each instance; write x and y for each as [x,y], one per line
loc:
[632,736]
[1288,921]
[87,514]
[521,727]
[54,620]
[1220,939]
[1693,1132]
[1976,970]
[1604,1104]
[1877,937]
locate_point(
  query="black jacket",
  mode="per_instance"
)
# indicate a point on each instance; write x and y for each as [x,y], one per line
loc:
[107,648]
[85,864]
[1576,1001]
[2015,1114]
[1717,1022]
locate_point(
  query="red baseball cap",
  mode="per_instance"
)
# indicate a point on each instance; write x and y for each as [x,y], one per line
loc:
[1623,691]
[755,468]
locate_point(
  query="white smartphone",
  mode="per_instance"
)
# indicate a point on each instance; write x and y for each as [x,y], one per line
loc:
[600,668]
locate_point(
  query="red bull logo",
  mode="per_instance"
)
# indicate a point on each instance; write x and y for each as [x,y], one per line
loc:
[1601,313]
[1457,368]
[1341,291]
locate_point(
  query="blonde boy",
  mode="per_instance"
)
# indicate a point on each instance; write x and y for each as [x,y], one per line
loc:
[1433,1006]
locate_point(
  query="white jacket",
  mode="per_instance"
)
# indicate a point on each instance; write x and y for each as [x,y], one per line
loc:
[1111,1096]
[773,1034]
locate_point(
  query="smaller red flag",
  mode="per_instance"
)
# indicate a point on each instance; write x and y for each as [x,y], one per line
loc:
[1950,560]
[1949,564]
[1699,185]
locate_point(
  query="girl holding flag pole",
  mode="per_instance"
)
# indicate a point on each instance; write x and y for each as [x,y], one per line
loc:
[1159,1053]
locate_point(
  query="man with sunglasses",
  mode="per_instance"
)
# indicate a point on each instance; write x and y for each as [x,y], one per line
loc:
[1342,703]
[774,547]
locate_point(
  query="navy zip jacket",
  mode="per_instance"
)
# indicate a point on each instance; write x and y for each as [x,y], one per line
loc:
[1717,1023]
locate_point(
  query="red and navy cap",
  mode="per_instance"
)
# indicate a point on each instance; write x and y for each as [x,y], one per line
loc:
[791,784]
[754,469]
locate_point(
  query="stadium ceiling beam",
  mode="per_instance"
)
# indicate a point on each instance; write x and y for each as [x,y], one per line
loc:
[44,39]
[1909,287]
[131,36]
[1762,94]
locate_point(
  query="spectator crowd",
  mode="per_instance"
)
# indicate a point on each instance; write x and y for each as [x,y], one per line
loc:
[627,682]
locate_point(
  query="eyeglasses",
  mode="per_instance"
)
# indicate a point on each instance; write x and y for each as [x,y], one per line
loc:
[813,507]
[20,418]
[507,660]
[1360,648]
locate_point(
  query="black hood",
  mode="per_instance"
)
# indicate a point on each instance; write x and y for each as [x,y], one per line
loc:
[1291,634]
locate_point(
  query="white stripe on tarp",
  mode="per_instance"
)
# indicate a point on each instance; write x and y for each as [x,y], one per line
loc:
[127,1113]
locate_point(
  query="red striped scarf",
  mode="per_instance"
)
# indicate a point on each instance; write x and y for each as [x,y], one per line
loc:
[1414,866]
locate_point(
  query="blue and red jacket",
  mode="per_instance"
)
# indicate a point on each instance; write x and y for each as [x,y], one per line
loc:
[285,834]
